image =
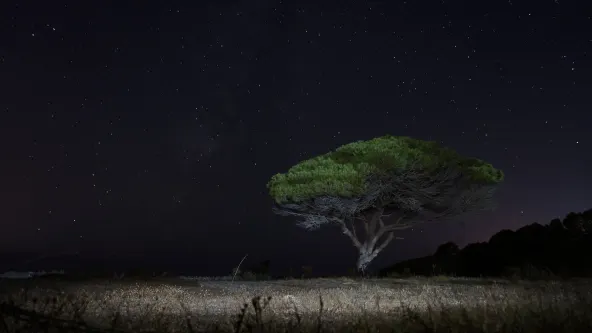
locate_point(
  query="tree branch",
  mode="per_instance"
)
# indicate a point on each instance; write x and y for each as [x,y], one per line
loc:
[353,228]
[388,239]
[349,234]
[374,220]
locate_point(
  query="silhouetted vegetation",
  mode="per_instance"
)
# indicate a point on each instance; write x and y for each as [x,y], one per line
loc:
[560,248]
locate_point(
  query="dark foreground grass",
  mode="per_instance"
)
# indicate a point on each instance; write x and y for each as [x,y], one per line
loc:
[340,306]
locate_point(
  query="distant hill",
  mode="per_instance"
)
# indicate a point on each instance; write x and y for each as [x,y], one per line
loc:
[561,248]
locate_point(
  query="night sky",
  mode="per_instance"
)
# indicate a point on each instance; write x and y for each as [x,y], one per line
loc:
[144,133]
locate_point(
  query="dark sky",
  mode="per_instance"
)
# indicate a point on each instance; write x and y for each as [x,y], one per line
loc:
[148,130]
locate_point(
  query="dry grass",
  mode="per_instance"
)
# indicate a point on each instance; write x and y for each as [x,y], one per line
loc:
[398,305]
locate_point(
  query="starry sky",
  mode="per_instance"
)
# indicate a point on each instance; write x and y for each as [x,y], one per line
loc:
[145,132]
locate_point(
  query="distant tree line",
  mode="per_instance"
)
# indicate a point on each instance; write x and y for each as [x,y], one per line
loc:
[562,248]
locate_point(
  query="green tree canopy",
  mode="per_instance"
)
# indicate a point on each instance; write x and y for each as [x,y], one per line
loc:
[345,171]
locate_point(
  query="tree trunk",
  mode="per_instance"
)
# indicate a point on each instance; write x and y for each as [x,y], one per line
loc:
[368,246]
[365,257]
[368,251]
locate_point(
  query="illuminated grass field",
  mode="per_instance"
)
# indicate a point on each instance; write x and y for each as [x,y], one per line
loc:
[342,304]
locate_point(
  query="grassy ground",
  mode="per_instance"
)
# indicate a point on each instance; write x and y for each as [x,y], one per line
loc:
[319,305]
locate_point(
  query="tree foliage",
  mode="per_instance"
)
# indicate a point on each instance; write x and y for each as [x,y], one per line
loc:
[345,171]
